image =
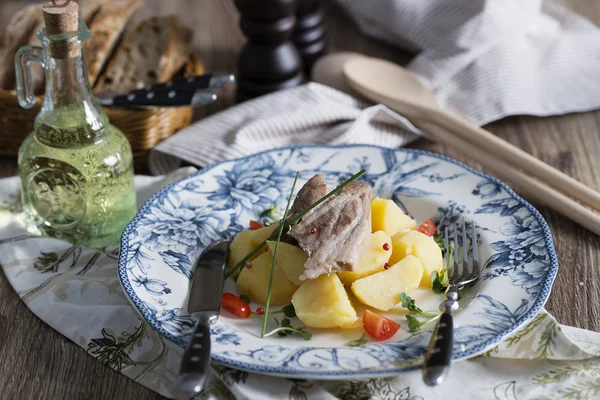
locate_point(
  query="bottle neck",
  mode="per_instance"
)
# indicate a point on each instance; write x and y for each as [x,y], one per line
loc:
[69,101]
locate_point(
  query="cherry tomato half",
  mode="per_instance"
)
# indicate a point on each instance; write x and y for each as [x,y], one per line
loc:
[428,227]
[235,305]
[254,225]
[379,327]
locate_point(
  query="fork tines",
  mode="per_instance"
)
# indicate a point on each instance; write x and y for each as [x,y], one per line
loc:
[470,262]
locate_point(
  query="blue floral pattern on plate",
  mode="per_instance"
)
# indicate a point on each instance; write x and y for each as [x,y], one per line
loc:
[159,247]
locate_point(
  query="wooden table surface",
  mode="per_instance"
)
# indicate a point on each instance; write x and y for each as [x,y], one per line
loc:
[38,362]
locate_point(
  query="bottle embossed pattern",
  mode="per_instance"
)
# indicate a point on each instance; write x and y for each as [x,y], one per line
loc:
[76,168]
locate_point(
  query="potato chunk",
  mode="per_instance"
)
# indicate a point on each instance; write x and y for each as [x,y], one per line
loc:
[372,260]
[387,216]
[254,282]
[421,246]
[382,290]
[323,303]
[290,259]
[245,242]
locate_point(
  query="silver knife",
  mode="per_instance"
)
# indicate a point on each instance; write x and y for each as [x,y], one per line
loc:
[204,303]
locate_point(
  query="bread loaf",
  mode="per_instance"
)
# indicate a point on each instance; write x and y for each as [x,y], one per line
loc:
[106,23]
[107,26]
[151,53]
[17,34]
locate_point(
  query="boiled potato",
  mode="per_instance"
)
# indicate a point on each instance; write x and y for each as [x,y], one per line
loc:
[387,216]
[290,259]
[372,260]
[421,246]
[323,303]
[382,290]
[360,310]
[245,242]
[254,282]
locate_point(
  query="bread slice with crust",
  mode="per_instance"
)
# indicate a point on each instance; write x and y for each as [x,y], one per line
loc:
[151,53]
[107,26]
[16,35]
[87,11]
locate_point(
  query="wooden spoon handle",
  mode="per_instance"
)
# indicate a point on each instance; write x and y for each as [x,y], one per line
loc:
[526,185]
[512,155]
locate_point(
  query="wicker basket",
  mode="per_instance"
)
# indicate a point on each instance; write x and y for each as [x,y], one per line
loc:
[143,127]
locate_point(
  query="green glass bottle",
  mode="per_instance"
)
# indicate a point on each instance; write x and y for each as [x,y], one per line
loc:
[76,168]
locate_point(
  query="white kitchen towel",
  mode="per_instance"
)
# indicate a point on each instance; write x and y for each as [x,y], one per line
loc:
[488,59]
[76,291]
[311,113]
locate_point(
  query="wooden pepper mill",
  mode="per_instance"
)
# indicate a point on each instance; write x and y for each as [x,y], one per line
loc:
[269,61]
[309,34]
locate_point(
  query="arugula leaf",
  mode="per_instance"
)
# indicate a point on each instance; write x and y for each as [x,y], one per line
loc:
[358,342]
[245,298]
[414,325]
[409,303]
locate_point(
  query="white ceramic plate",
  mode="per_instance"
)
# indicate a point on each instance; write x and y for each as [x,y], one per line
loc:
[160,245]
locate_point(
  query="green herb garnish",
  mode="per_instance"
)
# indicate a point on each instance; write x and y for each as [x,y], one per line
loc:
[271,273]
[409,303]
[358,342]
[289,311]
[286,329]
[245,298]
[414,323]
[271,215]
[439,239]
[286,224]
[437,281]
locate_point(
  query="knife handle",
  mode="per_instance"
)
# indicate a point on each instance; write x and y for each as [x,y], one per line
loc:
[171,98]
[195,364]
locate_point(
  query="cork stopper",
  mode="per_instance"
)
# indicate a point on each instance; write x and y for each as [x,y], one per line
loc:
[62,16]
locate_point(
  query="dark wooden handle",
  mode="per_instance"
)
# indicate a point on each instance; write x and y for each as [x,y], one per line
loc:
[195,364]
[439,353]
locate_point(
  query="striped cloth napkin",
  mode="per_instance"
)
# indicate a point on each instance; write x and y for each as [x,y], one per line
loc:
[484,59]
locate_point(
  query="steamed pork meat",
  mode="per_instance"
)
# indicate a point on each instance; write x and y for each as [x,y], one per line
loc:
[313,190]
[332,233]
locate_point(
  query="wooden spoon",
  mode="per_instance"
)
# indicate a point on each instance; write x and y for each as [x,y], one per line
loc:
[390,84]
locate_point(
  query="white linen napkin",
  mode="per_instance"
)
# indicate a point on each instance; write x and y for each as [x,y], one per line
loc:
[76,291]
[488,59]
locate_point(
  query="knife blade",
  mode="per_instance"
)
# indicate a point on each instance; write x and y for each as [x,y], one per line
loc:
[205,304]
[193,91]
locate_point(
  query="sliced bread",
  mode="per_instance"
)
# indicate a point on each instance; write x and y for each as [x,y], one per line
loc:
[17,34]
[88,9]
[151,53]
[107,26]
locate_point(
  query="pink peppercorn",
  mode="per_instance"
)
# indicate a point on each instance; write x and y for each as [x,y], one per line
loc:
[386,246]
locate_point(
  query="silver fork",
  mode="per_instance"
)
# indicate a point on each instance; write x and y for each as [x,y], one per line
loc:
[439,353]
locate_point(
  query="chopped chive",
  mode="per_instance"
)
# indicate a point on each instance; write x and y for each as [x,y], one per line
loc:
[279,233]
